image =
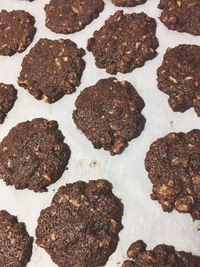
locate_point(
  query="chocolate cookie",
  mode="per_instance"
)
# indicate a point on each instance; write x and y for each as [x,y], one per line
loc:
[173,165]
[109,114]
[128,2]
[179,77]
[15,242]
[68,16]
[81,226]
[8,95]
[160,256]
[33,155]
[181,15]
[16,31]
[52,69]
[124,43]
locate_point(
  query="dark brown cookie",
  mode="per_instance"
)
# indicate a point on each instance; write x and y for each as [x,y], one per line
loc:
[81,226]
[52,69]
[128,2]
[68,16]
[160,256]
[181,15]
[8,95]
[15,242]
[179,77]
[124,43]
[16,31]
[109,114]
[173,166]
[33,155]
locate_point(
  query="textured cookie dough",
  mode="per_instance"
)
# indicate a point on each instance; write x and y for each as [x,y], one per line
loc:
[179,77]
[52,69]
[81,226]
[160,256]
[16,31]
[181,15]
[15,242]
[33,155]
[128,3]
[109,114]
[8,96]
[124,43]
[69,16]
[173,166]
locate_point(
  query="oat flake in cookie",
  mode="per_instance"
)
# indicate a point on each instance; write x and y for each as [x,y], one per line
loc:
[181,15]
[69,16]
[8,96]
[15,242]
[52,69]
[109,114]
[179,77]
[81,226]
[160,256]
[128,3]
[33,155]
[16,31]
[124,43]
[173,166]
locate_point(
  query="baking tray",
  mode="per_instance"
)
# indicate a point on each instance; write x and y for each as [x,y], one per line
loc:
[143,218]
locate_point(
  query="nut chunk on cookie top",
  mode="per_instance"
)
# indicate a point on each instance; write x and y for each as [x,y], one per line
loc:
[160,256]
[128,2]
[181,15]
[15,242]
[8,96]
[81,226]
[179,77]
[69,16]
[173,166]
[33,155]
[16,31]
[125,42]
[109,114]
[52,69]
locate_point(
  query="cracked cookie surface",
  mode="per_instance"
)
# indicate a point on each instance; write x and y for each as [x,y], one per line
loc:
[15,242]
[69,16]
[109,114]
[179,77]
[52,69]
[8,96]
[159,256]
[125,42]
[181,15]
[173,166]
[16,31]
[81,226]
[33,155]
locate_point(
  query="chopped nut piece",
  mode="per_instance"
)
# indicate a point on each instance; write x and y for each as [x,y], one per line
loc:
[53,236]
[172,79]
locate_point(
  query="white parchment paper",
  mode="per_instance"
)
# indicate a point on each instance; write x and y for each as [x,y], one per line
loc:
[143,218]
